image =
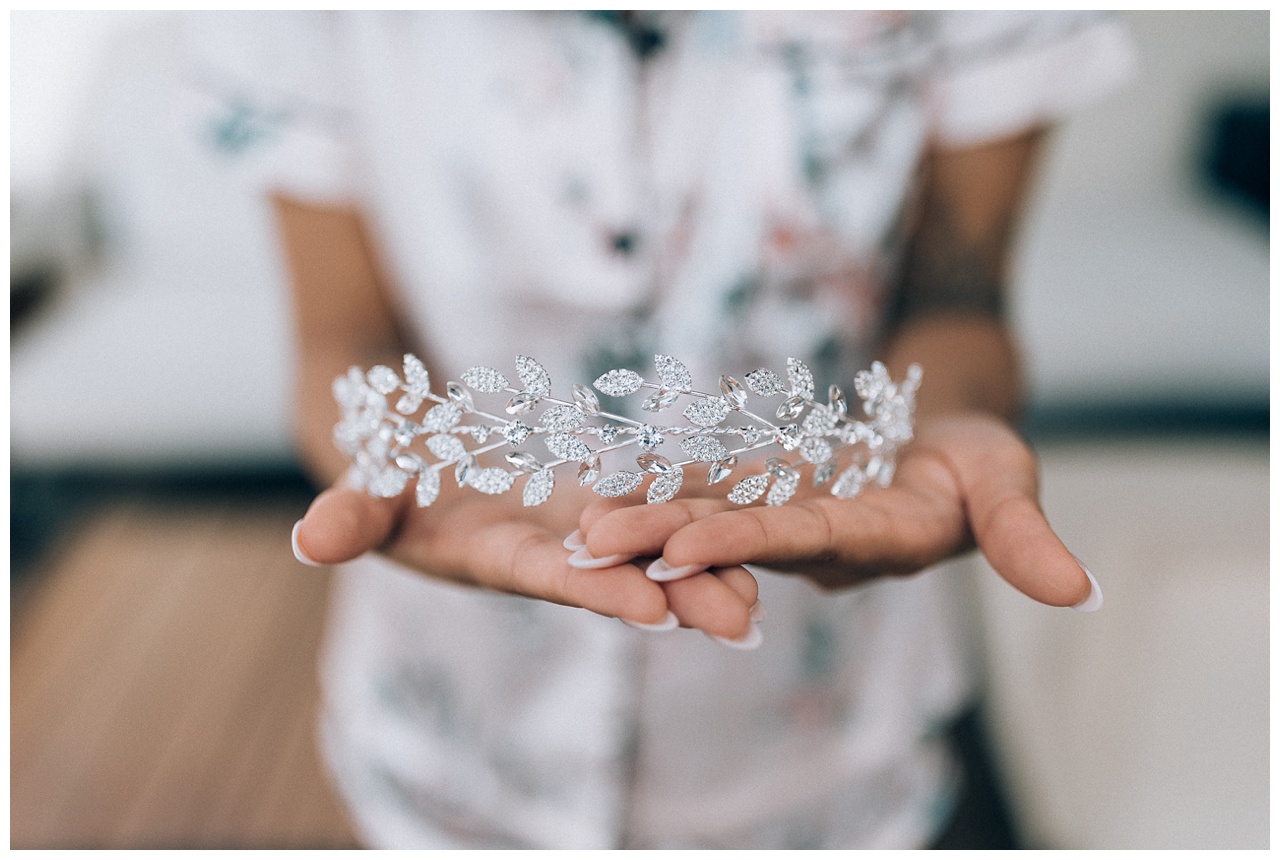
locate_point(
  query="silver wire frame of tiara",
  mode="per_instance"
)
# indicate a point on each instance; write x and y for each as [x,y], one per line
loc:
[578,431]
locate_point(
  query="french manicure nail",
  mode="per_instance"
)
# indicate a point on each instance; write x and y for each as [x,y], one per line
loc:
[575,541]
[660,571]
[668,623]
[297,550]
[757,612]
[585,561]
[1093,602]
[749,641]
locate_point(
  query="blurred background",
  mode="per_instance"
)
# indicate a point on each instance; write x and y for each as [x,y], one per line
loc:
[163,637]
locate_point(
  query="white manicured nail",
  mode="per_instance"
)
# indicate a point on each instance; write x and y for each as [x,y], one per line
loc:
[668,623]
[1093,602]
[660,571]
[297,550]
[749,641]
[575,541]
[757,612]
[585,561]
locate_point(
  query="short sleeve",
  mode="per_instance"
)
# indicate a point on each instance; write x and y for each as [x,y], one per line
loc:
[262,96]
[1000,73]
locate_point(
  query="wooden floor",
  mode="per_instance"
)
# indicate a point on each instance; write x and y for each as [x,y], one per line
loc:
[163,690]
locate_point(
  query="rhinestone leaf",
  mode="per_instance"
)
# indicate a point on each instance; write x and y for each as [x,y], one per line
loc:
[648,436]
[749,489]
[618,484]
[416,377]
[491,482]
[515,433]
[782,491]
[704,449]
[790,408]
[563,418]
[524,461]
[661,400]
[708,411]
[734,394]
[538,488]
[589,471]
[721,469]
[820,420]
[447,447]
[849,484]
[815,450]
[534,376]
[486,380]
[870,384]
[523,402]
[408,404]
[586,399]
[442,418]
[800,378]
[428,488]
[383,379]
[566,446]
[389,483]
[839,403]
[824,473]
[349,390]
[789,437]
[764,382]
[619,383]
[665,486]
[672,373]
[655,464]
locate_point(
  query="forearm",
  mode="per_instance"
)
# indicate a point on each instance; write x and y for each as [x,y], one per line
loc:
[970,362]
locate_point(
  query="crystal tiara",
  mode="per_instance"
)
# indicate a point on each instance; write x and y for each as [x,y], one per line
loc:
[721,429]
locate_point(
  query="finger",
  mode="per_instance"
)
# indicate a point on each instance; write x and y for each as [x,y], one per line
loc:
[645,529]
[343,523]
[710,603]
[601,508]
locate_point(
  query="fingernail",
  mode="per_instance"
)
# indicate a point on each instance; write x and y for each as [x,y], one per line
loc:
[660,571]
[1093,602]
[757,612]
[585,561]
[575,541]
[668,623]
[749,641]
[297,550]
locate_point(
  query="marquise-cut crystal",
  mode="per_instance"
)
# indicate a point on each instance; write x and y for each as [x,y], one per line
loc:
[660,401]
[523,402]
[486,380]
[619,383]
[428,488]
[586,399]
[824,473]
[460,397]
[789,437]
[721,469]
[618,484]
[463,470]
[411,463]
[524,461]
[665,486]
[589,471]
[764,382]
[790,408]
[539,487]
[708,411]
[533,376]
[704,449]
[672,373]
[383,379]
[655,464]
[781,469]
[749,489]
[839,404]
[734,394]
[566,446]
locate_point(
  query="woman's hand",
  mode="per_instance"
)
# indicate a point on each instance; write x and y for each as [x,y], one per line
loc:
[966,479]
[495,543]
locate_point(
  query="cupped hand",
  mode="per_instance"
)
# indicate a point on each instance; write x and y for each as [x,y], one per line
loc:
[494,542]
[966,479]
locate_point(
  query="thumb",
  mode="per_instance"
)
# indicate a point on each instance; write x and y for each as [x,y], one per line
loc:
[344,523]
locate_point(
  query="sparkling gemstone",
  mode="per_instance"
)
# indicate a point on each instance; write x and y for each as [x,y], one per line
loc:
[524,461]
[721,469]
[789,437]
[491,482]
[734,394]
[533,376]
[824,473]
[781,469]
[563,418]
[515,432]
[790,408]
[839,404]
[661,400]
[655,464]
[486,380]
[707,411]
[589,471]
[411,463]
[749,489]
[704,449]
[648,436]
[523,402]
[764,382]
[619,383]
[463,469]
[567,446]
[480,433]
[750,435]
[800,378]
[586,399]
[405,432]
[538,488]
[672,373]
[607,433]
[460,397]
[665,486]
[618,484]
